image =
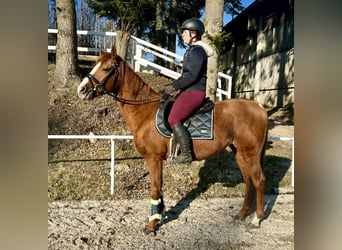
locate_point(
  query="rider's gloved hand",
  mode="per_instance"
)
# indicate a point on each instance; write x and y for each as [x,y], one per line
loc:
[168,89]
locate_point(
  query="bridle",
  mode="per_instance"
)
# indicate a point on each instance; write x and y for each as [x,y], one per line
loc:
[99,87]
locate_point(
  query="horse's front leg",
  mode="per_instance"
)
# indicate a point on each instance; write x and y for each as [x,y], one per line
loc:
[155,167]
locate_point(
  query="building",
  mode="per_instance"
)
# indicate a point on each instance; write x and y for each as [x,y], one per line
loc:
[260,53]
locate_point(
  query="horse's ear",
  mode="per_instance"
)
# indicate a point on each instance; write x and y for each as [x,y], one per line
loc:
[113,53]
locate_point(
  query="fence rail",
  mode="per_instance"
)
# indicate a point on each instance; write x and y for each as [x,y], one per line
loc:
[112,138]
[112,154]
[143,53]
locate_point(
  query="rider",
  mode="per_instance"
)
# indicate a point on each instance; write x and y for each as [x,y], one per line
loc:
[192,85]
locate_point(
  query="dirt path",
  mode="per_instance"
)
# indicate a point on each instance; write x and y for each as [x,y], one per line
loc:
[202,224]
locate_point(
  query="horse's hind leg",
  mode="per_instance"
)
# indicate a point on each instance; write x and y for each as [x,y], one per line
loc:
[258,179]
[255,185]
[249,196]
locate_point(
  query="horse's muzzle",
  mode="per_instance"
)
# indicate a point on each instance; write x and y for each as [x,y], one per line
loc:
[85,94]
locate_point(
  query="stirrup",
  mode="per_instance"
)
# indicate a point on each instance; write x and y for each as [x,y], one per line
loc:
[180,159]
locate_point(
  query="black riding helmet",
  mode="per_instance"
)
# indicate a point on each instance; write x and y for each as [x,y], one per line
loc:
[193,24]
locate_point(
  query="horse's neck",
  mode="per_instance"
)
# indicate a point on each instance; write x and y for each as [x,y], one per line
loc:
[140,93]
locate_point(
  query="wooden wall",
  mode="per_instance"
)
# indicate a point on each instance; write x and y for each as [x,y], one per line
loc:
[262,64]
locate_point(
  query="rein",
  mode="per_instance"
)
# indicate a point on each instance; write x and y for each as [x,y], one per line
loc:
[99,87]
[132,102]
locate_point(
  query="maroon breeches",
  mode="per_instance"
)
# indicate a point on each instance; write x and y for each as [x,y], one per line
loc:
[186,104]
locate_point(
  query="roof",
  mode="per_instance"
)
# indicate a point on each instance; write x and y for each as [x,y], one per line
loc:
[260,7]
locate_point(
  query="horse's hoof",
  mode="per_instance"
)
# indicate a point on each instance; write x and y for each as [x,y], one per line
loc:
[237,217]
[255,223]
[252,226]
[147,230]
[152,227]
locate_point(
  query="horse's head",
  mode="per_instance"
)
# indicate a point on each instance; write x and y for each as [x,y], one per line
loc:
[101,79]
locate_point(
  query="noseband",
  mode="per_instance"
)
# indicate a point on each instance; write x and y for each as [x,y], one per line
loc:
[98,86]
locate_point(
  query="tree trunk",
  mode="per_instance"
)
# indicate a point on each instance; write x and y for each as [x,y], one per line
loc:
[172,30]
[121,43]
[66,73]
[159,30]
[213,18]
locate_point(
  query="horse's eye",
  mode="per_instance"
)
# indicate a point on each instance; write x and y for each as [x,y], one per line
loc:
[107,70]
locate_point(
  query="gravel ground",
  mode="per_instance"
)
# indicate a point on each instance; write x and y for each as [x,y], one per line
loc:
[200,224]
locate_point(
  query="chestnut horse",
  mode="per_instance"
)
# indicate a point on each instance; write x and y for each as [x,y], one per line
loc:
[238,123]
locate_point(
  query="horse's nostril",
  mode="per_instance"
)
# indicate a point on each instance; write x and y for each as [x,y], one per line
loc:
[82,89]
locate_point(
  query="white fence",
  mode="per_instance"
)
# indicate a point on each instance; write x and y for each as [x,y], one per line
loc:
[144,50]
[112,157]
[130,137]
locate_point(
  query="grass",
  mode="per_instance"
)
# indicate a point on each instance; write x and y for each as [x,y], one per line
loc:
[84,173]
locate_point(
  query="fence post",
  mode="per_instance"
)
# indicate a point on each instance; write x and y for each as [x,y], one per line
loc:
[112,164]
[219,85]
[138,55]
[229,87]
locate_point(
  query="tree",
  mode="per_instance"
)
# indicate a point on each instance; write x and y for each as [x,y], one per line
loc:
[160,32]
[213,20]
[172,26]
[233,7]
[131,16]
[66,71]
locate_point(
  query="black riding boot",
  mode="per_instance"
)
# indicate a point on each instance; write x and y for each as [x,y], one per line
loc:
[182,137]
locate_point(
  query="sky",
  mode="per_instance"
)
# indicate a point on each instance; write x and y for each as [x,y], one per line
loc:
[226,19]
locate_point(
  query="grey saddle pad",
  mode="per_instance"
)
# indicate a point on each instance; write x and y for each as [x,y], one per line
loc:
[199,126]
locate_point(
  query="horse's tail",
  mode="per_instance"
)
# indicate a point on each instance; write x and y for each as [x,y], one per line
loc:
[263,151]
